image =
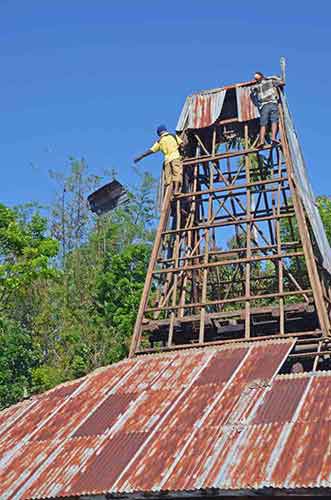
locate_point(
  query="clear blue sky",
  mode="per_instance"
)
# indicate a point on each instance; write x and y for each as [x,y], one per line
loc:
[93,78]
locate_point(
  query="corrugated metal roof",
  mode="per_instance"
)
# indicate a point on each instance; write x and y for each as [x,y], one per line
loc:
[199,419]
[246,108]
[201,110]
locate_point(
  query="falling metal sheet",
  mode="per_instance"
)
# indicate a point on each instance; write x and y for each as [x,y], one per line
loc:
[108,197]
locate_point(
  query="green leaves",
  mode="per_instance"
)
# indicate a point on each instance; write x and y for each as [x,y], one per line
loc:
[18,357]
[25,252]
[120,286]
[324,207]
[75,293]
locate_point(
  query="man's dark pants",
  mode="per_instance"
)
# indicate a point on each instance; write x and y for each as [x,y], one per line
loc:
[269,114]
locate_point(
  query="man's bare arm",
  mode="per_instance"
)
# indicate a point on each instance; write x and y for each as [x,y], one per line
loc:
[278,82]
[147,153]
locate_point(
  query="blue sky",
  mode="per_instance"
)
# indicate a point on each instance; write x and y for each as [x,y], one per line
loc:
[93,78]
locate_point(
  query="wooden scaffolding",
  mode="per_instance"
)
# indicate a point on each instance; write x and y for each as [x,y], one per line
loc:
[234,258]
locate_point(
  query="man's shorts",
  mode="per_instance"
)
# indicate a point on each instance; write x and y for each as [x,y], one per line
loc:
[269,114]
[173,171]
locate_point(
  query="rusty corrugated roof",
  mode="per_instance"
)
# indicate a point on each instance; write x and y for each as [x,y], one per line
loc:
[246,108]
[213,418]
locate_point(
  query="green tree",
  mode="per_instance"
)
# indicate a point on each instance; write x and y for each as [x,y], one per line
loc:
[26,254]
[324,207]
[75,309]
[18,357]
[119,291]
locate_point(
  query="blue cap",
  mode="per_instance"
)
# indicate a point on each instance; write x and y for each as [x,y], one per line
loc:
[160,129]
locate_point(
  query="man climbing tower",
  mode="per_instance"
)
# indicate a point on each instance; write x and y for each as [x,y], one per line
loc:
[265,97]
[169,145]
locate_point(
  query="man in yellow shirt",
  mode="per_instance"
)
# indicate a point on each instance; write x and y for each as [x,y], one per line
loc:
[169,145]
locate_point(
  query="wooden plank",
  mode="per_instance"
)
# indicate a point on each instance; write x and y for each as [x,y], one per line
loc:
[248,243]
[230,262]
[236,300]
[304,234]
[149,276]
[294,336]
[232,222]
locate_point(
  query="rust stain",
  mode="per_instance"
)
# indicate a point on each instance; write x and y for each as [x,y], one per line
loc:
[281,401]
[318,401]
[305,460]
[67,418]
[221,367]
[65,467]
[151,408]
[24,462]
[106,466]
[106,415]
[213,418]
[144,375]
[247,109]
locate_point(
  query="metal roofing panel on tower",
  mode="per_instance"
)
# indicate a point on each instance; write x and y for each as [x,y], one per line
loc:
[201,110]
[247,110]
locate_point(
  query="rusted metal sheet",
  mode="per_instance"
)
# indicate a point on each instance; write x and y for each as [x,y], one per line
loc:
[106,466]
[194,420]
[149,466]
[249,383]
[189,471]
[140,380]
[305,459]
[221,366]
[246,108]
[69,416]
[12,414]
[107,378]
[22,462]
[281,401]
[106,415]
[201,110]
[32,420]
[65,390]
[58,474]
[246,462]
[317,404]
[148,472]
[151,408]
[181,371]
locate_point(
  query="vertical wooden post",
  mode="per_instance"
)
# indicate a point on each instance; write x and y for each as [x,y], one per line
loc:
[304,235]
[248,243]
[175,278]
[149,276]
[206,259]
[279,251]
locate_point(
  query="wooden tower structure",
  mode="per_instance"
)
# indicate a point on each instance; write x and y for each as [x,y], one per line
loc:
[240,252]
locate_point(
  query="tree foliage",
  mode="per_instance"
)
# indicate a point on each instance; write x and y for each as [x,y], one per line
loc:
[71,281]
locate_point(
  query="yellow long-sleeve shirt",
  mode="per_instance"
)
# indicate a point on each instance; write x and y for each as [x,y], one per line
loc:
[168,145]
